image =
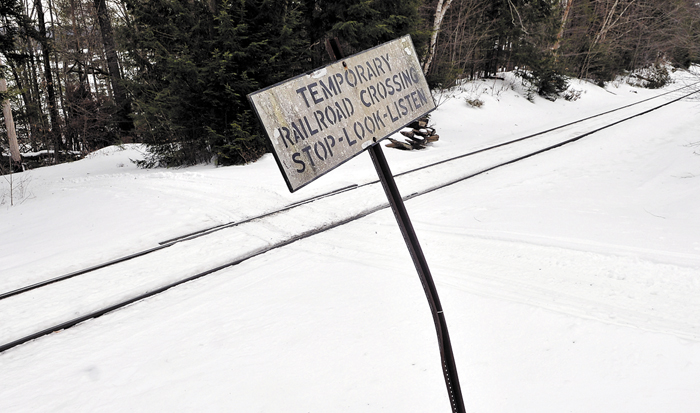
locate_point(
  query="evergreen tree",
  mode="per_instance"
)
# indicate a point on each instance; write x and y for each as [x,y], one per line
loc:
[196,63]
[365,23]
[533,54]
[197,60]
[361,24]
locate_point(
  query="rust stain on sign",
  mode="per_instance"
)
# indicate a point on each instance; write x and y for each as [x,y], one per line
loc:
[319,120]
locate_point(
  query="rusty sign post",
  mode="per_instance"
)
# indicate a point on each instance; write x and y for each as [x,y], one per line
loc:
[318,121]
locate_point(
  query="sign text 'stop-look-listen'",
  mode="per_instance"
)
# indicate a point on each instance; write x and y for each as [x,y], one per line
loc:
[321,119]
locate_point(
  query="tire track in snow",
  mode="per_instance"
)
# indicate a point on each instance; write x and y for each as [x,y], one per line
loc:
[620,290]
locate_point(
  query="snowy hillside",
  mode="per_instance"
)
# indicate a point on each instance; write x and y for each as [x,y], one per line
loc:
[569,280]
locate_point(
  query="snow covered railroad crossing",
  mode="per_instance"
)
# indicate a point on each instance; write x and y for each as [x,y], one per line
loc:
[570,279]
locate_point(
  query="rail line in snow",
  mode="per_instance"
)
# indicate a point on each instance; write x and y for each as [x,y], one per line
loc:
[22,334]
[170,242]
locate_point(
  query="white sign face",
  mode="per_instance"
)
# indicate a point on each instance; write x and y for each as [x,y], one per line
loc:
[321,119]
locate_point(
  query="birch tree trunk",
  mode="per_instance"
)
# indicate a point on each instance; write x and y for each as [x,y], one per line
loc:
[440,11]
[564,19]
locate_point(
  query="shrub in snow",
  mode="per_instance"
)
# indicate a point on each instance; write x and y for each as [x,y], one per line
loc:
[474,102]
[572,95]
[652,77]
[542,77]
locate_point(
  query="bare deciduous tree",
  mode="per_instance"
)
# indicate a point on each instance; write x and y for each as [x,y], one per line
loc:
[440,11]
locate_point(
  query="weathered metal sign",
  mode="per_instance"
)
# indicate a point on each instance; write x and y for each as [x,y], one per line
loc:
[321,119]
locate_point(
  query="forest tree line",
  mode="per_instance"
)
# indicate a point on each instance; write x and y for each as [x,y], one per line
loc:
[80,75]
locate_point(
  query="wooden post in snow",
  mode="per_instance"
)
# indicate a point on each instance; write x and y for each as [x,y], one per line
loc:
[9,122]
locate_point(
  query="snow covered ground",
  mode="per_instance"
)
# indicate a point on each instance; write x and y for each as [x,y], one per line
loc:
[569,280]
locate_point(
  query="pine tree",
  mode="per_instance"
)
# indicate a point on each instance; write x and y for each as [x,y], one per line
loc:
[361,24]
[196,63]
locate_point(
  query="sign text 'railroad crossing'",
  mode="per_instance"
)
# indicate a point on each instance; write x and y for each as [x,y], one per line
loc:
[319,120]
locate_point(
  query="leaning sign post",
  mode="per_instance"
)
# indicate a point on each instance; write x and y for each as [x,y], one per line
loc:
[319,120]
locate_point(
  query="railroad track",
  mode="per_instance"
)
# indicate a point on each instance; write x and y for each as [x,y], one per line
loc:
[35,310]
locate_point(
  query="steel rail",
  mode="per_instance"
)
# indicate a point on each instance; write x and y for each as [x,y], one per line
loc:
[210,230]
[166,244]
[546,149]
[307,234]
[547,130]
[101,312]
